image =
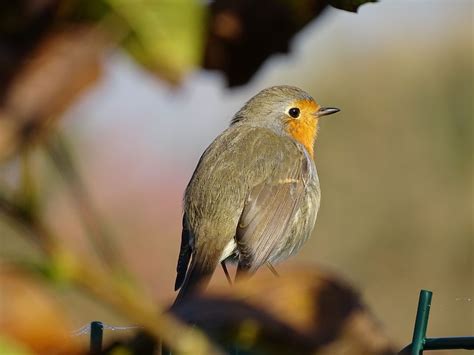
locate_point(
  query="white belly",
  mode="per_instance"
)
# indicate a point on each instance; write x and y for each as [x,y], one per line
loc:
[228,250]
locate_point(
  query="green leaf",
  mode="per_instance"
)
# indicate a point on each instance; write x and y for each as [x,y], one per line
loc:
[349,5]
[58,269]
[12,347]
[163,35]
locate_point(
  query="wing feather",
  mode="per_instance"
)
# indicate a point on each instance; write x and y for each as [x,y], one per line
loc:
[265,222]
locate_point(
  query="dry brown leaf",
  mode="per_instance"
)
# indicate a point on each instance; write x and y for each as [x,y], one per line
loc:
[63,65]
[304,311]
[31,316]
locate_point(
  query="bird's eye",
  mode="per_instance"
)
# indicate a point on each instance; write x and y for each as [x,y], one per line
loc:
[294,112]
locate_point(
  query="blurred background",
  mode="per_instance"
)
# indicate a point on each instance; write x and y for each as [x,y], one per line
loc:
[396,165]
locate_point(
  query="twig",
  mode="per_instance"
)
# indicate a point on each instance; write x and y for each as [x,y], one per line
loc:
[99,237]
[26,219]
[116,294]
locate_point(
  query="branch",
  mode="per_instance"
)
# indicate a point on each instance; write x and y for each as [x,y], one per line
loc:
[99,236]
[122,297]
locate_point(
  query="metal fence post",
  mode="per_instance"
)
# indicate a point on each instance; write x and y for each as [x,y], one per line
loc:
[421,322]
[97,332]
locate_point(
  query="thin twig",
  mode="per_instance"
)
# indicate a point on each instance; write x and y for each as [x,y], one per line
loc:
[26,219]
[99,236]
[120,296]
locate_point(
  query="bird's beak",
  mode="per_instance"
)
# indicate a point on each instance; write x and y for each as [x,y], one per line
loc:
[324,111]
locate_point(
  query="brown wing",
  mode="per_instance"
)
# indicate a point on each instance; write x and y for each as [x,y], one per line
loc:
[265,222]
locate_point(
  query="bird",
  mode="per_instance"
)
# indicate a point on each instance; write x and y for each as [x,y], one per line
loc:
[254,196]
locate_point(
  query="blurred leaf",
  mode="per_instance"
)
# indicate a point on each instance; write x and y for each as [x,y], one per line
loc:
[309,312]
[57,270]
[9,139]
[81,11]
[243,34]
[349,5]
[304,311]
[165,36]
[63,64]
[22,24]
[30,315]
[11,347]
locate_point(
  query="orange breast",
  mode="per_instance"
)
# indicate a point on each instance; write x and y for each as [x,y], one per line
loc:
[305,128]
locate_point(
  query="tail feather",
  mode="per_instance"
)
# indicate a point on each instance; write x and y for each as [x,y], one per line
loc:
[183,259]
[198,276]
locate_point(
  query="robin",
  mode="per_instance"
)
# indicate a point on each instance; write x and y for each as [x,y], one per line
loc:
[254,196]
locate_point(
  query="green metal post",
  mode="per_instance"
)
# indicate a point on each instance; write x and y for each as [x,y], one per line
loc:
[97,331]
[448,343]
[421,323]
